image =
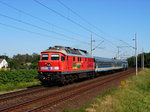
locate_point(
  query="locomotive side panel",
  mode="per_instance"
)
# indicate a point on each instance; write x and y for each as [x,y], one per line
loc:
[64,65]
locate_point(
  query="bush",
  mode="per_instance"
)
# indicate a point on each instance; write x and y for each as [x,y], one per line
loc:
[16,76]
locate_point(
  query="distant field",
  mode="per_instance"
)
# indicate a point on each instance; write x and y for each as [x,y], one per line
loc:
[134,96]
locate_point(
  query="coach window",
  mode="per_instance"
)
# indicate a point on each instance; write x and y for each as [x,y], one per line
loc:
[62,58]
[78,59]
[55,57]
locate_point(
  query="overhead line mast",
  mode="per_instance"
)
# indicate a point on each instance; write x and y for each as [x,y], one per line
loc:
[91,45]
[136,53]
[143,59]
[82,18]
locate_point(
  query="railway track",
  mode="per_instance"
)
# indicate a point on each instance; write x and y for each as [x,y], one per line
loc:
[49,100]
[78,91]
[11,95]
[15,94]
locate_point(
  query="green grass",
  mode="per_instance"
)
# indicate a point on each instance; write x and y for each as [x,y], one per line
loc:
[134,96]
[19,85]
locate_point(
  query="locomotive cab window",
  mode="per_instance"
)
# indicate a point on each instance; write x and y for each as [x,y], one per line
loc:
[73,58]
[55,57]
[62,58]
[44,57]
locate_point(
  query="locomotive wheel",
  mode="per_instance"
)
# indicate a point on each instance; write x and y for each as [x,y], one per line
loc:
[76,78]
[70,79]
[43,83]
[91,75]
[67,79]
[62,81]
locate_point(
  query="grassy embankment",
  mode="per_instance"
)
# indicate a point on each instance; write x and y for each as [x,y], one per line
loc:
[17,79]
[134,96]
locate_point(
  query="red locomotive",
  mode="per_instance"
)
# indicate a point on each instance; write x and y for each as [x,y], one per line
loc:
[64,65]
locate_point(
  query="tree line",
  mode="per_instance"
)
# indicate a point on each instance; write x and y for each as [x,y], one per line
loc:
[26,61]
[22,61]
[131,60]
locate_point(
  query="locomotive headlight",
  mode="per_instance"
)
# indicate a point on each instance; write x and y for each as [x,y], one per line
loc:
[48,64]
[41,73]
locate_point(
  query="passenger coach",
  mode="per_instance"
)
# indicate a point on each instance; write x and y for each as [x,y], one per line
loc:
[103,64]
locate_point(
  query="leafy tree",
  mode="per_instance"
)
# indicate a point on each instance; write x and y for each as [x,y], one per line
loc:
[131,60]
[4,57]
[23,61]
[35,60]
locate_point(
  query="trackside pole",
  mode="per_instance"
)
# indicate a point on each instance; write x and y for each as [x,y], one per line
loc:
[91,45]
[136,53]
[143,59]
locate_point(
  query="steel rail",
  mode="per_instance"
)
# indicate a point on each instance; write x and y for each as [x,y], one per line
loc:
[22,94]
[18,92]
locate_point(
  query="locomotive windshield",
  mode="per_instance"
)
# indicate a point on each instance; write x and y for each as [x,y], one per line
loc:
[44,57]
[55,57]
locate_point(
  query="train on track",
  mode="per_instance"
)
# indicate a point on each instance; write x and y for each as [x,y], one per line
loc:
[63,65]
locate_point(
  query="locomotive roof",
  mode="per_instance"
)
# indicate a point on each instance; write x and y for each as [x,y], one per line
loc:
[68,51]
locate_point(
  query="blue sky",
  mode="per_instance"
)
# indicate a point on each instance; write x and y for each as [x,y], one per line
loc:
[114,20]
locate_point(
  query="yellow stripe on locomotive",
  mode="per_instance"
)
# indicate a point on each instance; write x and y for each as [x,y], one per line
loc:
[76,65]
